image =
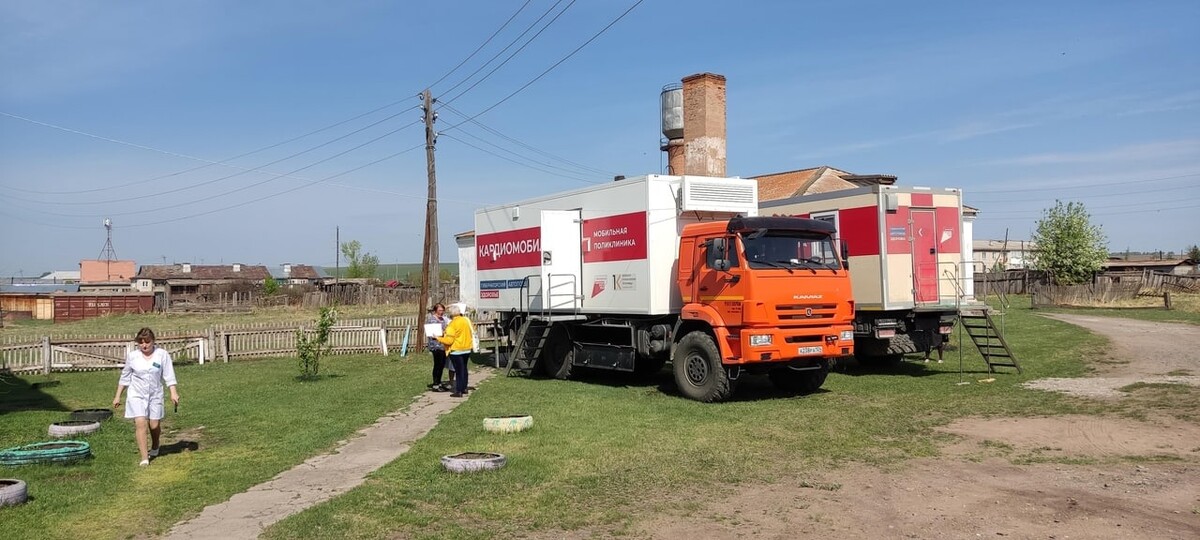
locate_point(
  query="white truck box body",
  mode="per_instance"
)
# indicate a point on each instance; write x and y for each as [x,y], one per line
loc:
[607,249]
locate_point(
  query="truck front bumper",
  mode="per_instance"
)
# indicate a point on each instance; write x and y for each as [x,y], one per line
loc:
[754,345]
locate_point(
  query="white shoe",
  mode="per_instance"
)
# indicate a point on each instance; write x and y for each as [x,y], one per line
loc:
[153,452]
[144,463]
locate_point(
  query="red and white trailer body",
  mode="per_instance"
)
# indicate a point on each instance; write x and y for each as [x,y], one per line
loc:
[906,261]
[626,260]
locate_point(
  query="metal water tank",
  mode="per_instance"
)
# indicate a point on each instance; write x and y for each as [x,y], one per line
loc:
[672,111]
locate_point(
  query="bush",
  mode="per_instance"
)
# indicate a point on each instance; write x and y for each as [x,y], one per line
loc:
[310,347]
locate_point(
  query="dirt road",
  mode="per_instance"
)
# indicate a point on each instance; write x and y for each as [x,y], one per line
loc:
[1147,487]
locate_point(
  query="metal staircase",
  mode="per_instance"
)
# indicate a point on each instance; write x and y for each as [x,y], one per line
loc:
[527,348]
[981,327]
[558,294]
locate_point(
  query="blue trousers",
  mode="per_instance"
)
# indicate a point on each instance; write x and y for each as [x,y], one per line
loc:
[459,361]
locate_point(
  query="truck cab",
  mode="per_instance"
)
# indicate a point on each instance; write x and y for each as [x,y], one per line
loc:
[761,295]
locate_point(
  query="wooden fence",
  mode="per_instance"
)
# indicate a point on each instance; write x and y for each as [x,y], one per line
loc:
[1092,294]
[218,343]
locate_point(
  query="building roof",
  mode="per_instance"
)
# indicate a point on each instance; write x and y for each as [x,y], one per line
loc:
[1121,263]
[61,275]
[786,185]
[41,288]
[203,272]
[1001,245]
[298,271]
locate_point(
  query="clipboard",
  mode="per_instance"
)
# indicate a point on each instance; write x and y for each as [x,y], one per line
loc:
[433,330]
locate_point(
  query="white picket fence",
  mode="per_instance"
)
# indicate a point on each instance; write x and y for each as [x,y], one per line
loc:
[219,343]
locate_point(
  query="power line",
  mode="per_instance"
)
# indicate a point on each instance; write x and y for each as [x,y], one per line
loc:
[1088,208]
[1098,195]
[284,192]
[582,168]
[518,162]
[549,69]
[1086,186]
[482,45]
[185,171]
[1142,211]
[511,56]
[215,180]
[506,47]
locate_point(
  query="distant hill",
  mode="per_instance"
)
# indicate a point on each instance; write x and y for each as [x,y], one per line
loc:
[403,272]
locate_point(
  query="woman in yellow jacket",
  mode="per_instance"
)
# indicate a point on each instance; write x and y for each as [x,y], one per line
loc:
[458,339]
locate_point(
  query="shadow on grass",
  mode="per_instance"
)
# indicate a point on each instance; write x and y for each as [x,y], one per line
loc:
[178,447]
[19,394]
[903,369]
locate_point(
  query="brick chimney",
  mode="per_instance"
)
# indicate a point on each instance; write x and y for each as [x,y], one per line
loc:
[704,124]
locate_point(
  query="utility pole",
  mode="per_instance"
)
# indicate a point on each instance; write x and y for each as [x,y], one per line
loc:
[337,253]
[429,261]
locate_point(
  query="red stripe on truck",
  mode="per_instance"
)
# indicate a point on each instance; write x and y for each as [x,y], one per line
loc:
[615,238]
[508,249]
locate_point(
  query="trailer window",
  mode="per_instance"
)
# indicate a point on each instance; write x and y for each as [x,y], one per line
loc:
[790,249]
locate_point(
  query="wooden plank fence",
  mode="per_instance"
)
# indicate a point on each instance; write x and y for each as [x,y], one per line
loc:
[219,343]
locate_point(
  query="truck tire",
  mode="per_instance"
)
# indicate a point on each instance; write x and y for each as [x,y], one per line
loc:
[469,462]
[559,356]
[698,369]
[802,382]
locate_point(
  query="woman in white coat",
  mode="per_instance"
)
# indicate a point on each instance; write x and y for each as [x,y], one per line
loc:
[147,369]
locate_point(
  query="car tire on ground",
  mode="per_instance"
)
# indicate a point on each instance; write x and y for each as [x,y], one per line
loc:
[13,492]
[45,452]
[508,424]
[469,462]
[70,428]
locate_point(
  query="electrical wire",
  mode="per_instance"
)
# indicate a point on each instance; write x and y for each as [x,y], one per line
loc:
[1089,208]
[511,56]
[581,168]
[520,163]
[227,177]
[185,171]
[985,215]
[1098,195]
[551,68]
[506,47]
[1085,186]
[482,45]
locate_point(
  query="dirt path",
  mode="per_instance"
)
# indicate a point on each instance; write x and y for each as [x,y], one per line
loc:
[1051,478]
[323,477]
[1146,352]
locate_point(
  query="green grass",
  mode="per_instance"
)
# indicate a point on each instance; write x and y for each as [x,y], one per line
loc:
[248,422]
[607,448]
[174,323]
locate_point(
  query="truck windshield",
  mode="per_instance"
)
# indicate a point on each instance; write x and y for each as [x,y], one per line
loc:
[789,249]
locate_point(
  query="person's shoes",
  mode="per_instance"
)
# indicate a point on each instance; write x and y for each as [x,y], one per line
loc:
[144,463]
[939,361]
[439,388]
[471,388]
[456,394]
[153,453]
[926,360]
[431,386]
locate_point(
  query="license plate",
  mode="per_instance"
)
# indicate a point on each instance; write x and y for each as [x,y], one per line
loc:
[810,350]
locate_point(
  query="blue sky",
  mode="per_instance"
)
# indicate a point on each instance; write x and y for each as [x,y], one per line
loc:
[1017,103]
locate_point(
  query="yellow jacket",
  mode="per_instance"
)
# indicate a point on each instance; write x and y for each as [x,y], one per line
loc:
[457,336]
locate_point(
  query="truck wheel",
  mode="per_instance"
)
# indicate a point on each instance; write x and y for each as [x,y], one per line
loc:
[698,370]
[559,356]
[803,382]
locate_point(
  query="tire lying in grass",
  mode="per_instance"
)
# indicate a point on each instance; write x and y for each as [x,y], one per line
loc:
[70,428]
[468,462]
[12,492]
[45,452]
[508,424]
[92,415]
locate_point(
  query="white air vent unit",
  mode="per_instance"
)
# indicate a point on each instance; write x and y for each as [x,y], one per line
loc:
[706,194]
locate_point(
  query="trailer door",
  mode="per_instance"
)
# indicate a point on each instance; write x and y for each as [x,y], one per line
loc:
[925,271]
[562,262]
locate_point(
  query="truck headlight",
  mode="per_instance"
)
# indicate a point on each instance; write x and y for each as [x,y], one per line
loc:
[847,335]
[761,340]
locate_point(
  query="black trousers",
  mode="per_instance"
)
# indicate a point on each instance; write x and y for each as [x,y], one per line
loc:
[439,363]
[460,365]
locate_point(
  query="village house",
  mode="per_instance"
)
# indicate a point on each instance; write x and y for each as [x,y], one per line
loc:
[185,283]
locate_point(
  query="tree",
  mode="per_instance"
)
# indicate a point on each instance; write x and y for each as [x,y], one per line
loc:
[1194,253]
[1069,247]
[362,264]
[310,346]
[270,286]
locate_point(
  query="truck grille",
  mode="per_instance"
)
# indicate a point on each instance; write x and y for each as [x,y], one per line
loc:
[805,312]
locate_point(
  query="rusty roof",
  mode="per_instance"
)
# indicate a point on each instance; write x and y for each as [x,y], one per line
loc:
[203,271]
[786,185]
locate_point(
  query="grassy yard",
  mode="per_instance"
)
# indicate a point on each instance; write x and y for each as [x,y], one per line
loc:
[169,323]
[238,425]
[605,448]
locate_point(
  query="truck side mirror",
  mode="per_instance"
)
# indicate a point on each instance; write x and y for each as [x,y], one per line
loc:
[715,255]
[845,256]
